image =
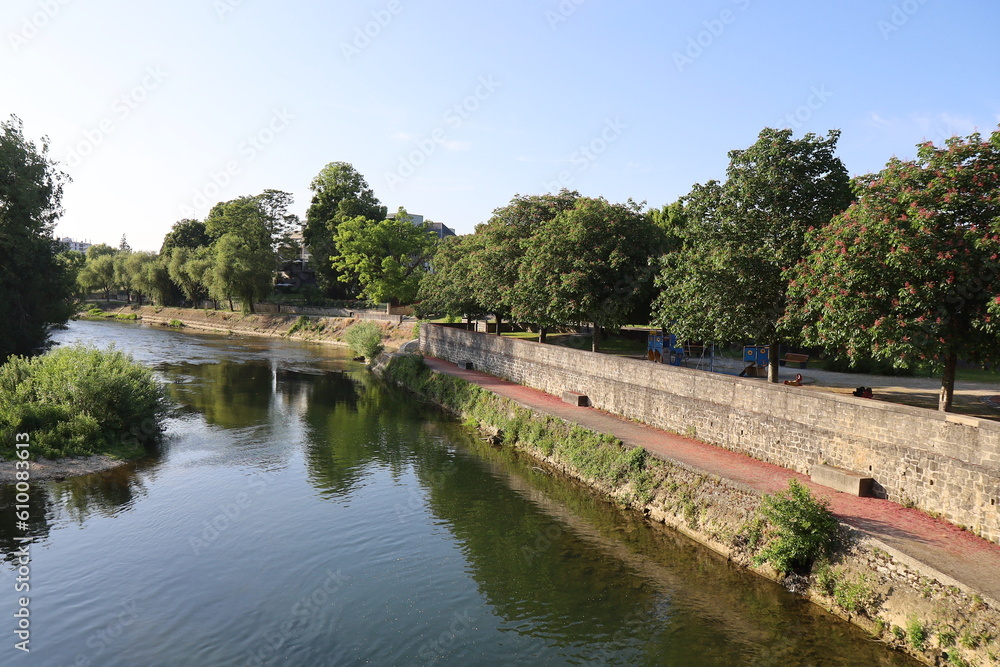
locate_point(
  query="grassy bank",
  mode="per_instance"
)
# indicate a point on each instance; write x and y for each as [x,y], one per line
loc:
[903,605]
[79,401]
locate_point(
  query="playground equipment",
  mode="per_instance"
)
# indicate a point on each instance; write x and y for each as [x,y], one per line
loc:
[666,349]
[663,348]
[756,357]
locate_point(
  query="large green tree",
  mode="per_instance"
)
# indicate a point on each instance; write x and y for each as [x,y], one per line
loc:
[339,193]
[447,288]
[586,264]
[98,273]
[34,286]
[909,273]
[387,257]
[185,234]
[729,281]
[495,263]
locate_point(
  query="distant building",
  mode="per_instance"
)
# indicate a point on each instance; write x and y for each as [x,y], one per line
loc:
[79,246]
[442,230]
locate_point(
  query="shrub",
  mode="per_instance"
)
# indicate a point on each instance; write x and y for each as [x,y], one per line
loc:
[127,317]
[79,401]
[177,324]
[802,529]
[916,633]
[855,597]
[364,338]
[300,324]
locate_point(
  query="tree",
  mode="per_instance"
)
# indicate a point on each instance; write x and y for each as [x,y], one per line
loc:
[730,280]
[909,272]
[71,262]
[496,260]
[34,287]
[185,234]
[241,270]
[243,218]
[98,273]
[586,264]
[386,257]
[277,220]
[447,288]
[339,193]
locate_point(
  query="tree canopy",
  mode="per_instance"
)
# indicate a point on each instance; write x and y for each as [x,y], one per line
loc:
[585,264]
[34,286]
[729,282]
[909,272]
[339,193]
[387,258]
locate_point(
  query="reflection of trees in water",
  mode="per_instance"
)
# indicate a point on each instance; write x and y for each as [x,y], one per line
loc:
[598,581]
[356,422]
[106,493]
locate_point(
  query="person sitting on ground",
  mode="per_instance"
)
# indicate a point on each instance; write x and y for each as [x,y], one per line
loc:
[863,392]
[797,382]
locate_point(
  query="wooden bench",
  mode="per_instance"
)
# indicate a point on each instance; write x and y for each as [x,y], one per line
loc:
[795,358]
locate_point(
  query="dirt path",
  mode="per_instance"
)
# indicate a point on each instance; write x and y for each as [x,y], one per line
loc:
[968,560]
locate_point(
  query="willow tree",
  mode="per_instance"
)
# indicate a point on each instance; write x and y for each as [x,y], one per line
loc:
[909,273]
[742,237]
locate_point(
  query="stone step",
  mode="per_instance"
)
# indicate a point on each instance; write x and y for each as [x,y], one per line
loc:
[841,479]
[575,398]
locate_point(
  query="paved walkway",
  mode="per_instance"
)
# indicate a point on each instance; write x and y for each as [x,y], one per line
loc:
[969,560]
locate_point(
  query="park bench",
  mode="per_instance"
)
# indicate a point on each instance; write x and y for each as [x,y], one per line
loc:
[795,358]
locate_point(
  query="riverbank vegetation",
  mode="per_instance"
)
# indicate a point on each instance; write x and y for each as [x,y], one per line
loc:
[80,401]
[789,536]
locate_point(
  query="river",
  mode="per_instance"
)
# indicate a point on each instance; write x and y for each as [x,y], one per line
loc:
[300,512]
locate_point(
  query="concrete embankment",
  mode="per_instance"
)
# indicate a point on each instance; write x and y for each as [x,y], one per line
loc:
[898,598]
[312,328]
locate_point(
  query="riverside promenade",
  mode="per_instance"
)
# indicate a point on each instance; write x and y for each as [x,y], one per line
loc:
[968,560]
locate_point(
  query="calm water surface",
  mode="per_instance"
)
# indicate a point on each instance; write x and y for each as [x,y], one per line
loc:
[302,513]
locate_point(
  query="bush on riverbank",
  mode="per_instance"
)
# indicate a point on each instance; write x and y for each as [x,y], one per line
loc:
[364,338]
[79,401]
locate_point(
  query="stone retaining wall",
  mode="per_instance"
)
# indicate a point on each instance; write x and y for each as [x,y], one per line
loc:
[944,464]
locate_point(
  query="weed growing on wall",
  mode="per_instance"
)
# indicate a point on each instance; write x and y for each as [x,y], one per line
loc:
[801,529]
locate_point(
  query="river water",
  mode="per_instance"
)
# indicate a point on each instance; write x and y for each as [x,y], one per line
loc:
[303,513]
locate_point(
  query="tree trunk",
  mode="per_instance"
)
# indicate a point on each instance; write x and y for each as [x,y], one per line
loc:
[499,322]
[948,382]
[542,334]
[772,361]
[596,344]
[231,304]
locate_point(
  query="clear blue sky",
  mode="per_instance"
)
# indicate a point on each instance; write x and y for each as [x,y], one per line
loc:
[159,110]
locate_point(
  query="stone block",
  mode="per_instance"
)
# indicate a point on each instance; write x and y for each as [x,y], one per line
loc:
[575,398]
[843,480]
[466,365]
